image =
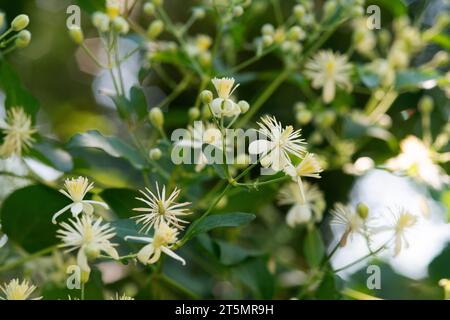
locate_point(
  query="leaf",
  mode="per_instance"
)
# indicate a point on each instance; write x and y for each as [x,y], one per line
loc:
[111,145]
[397,7]
[255,275]
[126,227]
[368,78]
[121,201]
[91,6]
[235,219]
[16,94]
[136,105]
[52,155]
[443,40]
[313,248]
[438,268]
[231,254]
[412,79]
[27,213]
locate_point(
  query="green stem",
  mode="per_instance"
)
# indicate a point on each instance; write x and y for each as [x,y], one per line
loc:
[93,57]
[82,291]
[362,258]
[27,258]
[7,32]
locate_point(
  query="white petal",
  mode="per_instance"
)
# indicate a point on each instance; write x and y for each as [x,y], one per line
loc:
[111,252]
[260,146]
[290,171]
[173,255]
[3,240]
[82,260]
[88,208]
[145,253]
[60,212]
[104,205]
[76,208]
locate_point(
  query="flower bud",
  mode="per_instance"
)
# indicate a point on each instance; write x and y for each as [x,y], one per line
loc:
[155,154]
[205,59]
[23,39]
[20,22]
[326,119]
[206,96]
[193,113]
[238,11]
[296,33]
[113,8]
[304,116]
[267,29]
[121,25]
[243,106]
[267,40]
[198,13]
[362,210]
[149,9]
[155,29]
[157,3]
[76,34]
[299,11]
[426,104]
[156,117]
[100,21]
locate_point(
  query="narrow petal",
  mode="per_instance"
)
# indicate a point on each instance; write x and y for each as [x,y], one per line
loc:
[60,212]
[145,253]
[172,254]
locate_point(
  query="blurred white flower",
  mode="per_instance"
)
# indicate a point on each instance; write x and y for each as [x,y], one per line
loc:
[89,237]
[161,242]
[18,131]
[417,161]
[76,191]
[302,207]
[16,290]
[161,209]
[224,105]
[279,145]
[329,70]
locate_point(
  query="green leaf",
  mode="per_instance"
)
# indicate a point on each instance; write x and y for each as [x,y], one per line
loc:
[121,201]
[313,248]
[413,79]
[111,145]
[235,219]
[396,7]
[231,254]
[27,213]
[438,268]
[16,94]
[126,227]
[52,155]
[91,6]
[443,40]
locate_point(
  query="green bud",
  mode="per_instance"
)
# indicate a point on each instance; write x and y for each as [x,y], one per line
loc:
[156,117]
[267,29]
[304,116]
[121,25]
[362,210]
[426,104]
[299,11]
[76,34]
[155,29]
[206,96]
[198,13]
[326,119]
[23,39]
[149,9]
[205,59]
[20,22]
[193,113]
[2,19]
[267,40]
[296,33]
[84,276]
[244,106]
[101,21]
[155,154]
[238,11]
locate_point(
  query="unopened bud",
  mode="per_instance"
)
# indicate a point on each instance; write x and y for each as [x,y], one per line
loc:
[206,96]
[155,154]
[296,33]
[149,9]
[238,11]
[267,29]
[426,104]
[362,210]
[121,25]
[100,21]
[304,116]
[267,40]
[156,117]
[326,119]
[155,29]
[20,22]
[299,11]
[243,106]
[193,113]
[76,34]
[198,13]
[23,39]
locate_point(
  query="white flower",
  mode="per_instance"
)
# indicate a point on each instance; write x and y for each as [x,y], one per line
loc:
[348,217]
[89,237]
[3,239]
[15,290]
[328,70]
[162,241]
[402,221]
[223,105]
[76,190]
[416,160]
[280,145]
[122,297]
[302,207]
[18,132]
[161,209]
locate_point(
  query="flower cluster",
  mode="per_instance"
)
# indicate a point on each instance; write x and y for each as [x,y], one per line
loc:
[20,40]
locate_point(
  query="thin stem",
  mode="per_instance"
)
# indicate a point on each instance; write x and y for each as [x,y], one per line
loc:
[250,61]
[362,258]
[82,291]
[358,295]
[27,258]
[176,92]
[93,57]
[7,32]
[118,62]
[263,183]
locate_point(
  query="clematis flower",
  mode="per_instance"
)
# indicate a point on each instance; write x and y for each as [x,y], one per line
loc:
[329,70]
[224,105]
[346,216]
[279,145]
[16,290]
[161,242]
[76,191]
[18,132]
[90,237]
[161,209]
